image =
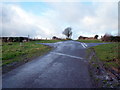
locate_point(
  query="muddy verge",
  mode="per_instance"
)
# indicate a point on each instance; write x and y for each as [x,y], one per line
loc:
[102,77]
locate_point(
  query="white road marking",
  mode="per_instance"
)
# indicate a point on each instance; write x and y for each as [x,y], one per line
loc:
[66,55]
[83,45]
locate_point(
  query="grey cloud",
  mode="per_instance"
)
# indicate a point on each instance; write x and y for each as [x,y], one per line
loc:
[96,18]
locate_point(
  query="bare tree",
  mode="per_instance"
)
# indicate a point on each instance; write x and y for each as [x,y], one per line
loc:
[68,32]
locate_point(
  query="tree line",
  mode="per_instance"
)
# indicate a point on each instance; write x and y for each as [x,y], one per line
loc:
[106,37]
[68,33]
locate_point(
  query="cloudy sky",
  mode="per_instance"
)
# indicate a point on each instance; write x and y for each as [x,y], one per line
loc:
[47,19]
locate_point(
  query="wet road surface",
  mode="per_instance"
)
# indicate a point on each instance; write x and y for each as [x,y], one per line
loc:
[65,66]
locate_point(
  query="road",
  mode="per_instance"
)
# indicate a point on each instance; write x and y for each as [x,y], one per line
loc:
[65,66]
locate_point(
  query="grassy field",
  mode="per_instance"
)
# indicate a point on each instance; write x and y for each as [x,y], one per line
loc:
[91,41]
[48,41]
[14,52]
[109,54]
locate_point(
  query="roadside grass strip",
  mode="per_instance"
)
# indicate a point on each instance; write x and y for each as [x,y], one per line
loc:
[14,52]
[109,54]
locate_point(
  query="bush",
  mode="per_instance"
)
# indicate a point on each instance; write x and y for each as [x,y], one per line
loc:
[110,38]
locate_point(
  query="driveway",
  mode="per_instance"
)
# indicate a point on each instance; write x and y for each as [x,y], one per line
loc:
[65,66]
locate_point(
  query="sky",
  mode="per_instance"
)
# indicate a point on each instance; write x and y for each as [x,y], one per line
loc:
[48,19]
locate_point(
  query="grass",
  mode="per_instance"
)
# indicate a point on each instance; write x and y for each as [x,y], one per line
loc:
[49,41]
[14,52]
[91,41]
[108,54]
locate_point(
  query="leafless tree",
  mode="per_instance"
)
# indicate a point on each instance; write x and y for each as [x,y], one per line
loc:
[68,32]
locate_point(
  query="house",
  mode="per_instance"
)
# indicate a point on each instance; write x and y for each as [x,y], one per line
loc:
[85,38]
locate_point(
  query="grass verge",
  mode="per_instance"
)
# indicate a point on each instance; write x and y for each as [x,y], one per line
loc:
[48,41]
[104,65]
[109,54]
[15,52]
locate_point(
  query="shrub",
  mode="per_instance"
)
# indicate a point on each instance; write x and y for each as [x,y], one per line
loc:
[110,38]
